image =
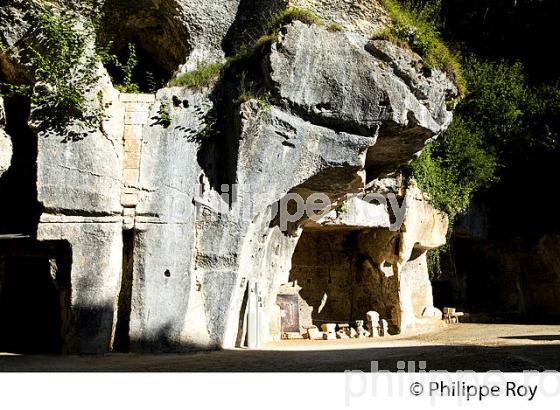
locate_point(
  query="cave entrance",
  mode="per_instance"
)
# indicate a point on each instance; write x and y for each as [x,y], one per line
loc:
[333,282]
[33,297]
[154,29]
[146,74]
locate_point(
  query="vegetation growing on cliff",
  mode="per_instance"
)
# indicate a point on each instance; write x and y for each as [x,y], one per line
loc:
[334,27]
[65,71]
[453,168]
[122,73]
[291,14]
[199,77]
[283,17]
[501,119]
[206,72]
[415,26]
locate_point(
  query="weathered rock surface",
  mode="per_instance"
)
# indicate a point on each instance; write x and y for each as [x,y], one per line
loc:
[423,228]
[84,177]
[365,16]
[401,108]
[169,221]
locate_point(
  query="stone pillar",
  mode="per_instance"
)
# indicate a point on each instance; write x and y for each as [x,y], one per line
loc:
[136,116]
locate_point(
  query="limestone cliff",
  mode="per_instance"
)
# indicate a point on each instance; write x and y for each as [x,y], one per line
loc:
[167,208]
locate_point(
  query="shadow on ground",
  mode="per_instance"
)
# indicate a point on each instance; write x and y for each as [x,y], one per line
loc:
[548,338]
[451,358]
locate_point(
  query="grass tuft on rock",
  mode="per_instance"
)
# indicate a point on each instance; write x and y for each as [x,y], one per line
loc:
[201,77]
[412,29]
[291,14]
[334,27]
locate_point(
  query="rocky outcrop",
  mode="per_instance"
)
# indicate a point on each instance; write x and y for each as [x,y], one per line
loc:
[169,210]
[402,108]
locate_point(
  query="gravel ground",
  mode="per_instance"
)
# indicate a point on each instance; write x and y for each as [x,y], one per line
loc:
[478,347]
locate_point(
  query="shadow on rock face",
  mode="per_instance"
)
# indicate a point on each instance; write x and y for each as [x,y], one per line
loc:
[19,208]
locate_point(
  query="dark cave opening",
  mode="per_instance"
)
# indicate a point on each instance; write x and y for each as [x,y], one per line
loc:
[153,28]
[30,316]
[35,296]
[19,207]
[147,75]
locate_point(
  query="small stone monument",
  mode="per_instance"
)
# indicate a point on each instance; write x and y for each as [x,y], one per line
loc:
[373,323]
[384,328]
[362,332]
[314,334]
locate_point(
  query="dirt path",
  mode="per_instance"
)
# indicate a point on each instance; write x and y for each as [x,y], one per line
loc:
[478,347]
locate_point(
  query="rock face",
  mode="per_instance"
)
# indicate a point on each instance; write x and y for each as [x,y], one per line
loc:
[504,280]
[327,86]
[5,142]
[172,222]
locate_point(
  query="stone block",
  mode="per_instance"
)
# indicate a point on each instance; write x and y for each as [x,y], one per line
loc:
[129,211]
[132,160]
[314,334]
[137,98]
[128,222]
[432,312]
[131,176]
[328,327]
[132,145]
[129,190]
[129,200]
[372,316]
[329,336]
[136,118]
[384,330]
[133,132]
[137,107]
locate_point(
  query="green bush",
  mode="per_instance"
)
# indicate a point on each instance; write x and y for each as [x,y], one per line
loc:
[452,168]
[65,72]
[412,28]
[125,70]
[498,97]
[498,122]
